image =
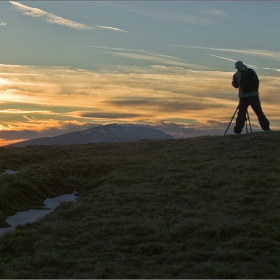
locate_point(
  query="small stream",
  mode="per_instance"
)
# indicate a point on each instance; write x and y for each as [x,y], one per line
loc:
[31,216]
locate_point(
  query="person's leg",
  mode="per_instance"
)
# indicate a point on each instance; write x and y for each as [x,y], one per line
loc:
[241,115]
[256,106]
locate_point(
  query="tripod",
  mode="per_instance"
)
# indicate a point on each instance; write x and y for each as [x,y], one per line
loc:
[247,119]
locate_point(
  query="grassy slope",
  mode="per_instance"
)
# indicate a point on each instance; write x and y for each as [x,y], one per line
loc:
[204,207]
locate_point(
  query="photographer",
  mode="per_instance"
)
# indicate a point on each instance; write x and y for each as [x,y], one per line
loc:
[247,81]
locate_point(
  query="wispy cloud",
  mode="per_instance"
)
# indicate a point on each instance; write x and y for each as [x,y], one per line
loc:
[274,69]
[20,111]
[229,59]
[106,115]
[149,56]
[115,49]
[111,28]
[260,53]
[155,58]
[55,19]
[217,13]
[198,19]
[49,17]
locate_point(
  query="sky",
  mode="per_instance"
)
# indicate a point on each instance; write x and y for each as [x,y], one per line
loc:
[70,65]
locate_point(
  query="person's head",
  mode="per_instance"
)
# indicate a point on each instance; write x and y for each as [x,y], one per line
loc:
[239,65]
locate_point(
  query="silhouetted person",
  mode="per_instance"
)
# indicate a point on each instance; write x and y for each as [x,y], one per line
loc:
[247,81]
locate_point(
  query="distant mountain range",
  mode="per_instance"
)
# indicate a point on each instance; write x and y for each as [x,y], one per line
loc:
[99,134]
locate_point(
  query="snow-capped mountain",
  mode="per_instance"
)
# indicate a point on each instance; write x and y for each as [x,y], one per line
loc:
[99,134]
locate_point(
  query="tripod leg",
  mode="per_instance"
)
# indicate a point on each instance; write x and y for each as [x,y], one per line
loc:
[249,121]
[231,119]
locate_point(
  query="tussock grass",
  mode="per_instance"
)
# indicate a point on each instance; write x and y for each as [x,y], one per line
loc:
[205,207]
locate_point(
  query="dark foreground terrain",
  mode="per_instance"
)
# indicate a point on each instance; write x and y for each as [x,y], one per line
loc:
[205,207]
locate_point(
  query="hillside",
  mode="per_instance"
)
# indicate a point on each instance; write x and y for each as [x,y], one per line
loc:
[205,207]
[99,134]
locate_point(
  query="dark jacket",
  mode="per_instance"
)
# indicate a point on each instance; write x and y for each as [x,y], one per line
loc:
[236,83]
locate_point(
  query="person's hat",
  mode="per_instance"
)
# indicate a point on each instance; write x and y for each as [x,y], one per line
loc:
[239,65]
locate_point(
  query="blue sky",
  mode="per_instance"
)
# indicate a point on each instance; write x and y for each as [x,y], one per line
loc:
[69,65]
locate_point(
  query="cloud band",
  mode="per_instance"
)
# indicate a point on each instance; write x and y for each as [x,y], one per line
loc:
[55,19]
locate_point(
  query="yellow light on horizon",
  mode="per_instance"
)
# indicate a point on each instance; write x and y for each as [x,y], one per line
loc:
[4,142]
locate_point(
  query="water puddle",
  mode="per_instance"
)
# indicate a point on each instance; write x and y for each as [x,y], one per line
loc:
[9,171]
[31,216]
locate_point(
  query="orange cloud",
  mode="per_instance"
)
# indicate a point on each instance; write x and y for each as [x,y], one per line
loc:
[49,99]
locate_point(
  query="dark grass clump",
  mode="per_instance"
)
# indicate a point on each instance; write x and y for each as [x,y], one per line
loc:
[205,207]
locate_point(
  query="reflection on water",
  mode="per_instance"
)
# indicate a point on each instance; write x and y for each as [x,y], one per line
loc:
[31,216]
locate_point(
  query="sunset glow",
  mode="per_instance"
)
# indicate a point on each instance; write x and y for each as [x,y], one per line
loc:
[101,71]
